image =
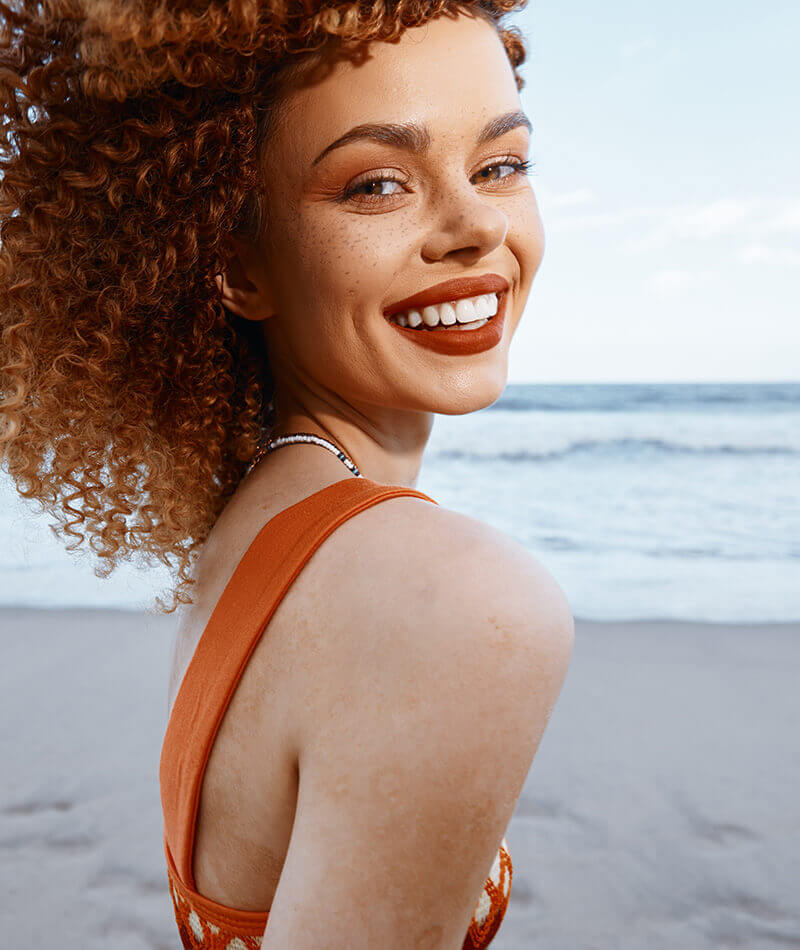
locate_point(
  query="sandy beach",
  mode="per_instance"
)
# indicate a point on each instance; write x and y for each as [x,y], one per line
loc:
[661,811]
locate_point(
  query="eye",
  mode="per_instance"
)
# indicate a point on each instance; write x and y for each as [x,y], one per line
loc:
[517,168]
[355,189]
[355,193]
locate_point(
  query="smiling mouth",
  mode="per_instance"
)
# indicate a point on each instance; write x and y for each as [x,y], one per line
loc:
[463,313]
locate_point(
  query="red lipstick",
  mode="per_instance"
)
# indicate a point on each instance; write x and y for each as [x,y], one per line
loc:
[455,342]
[451,340]
[450,290]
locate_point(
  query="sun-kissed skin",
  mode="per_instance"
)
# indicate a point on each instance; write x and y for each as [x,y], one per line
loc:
[318,286]
[330,268]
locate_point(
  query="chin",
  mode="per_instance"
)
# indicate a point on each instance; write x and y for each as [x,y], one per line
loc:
[467,392]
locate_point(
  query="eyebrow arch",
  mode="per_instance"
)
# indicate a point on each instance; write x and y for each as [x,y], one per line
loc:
[417,138]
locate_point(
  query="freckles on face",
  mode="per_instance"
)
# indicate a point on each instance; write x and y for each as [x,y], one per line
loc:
[331,269]
[335,263]
[326,287]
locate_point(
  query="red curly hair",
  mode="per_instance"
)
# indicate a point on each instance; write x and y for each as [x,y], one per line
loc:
[131,399]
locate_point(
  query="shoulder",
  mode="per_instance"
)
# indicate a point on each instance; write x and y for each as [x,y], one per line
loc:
[418,586]
[421,706]
[408,554]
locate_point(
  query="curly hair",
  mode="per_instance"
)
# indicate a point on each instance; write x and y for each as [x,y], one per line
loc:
[131,399]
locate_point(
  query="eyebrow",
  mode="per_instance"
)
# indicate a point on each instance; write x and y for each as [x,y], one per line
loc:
[417,138]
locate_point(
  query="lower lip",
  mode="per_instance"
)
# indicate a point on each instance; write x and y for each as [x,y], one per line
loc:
[460,342]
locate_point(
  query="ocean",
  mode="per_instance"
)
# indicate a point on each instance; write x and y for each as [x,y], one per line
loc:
[645,501]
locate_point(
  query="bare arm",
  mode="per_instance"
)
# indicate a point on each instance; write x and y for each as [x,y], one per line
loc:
[419,732]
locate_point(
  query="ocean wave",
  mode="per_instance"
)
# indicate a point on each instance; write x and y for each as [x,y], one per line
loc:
[637,397]
[623,446]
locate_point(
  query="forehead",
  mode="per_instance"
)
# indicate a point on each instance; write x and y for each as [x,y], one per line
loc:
[451,74]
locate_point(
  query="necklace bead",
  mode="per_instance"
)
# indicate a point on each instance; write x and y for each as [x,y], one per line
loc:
[299,437]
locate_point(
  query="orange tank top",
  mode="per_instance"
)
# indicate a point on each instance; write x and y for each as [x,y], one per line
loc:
[273,560]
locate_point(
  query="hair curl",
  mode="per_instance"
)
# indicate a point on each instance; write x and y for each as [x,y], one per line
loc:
[131,400]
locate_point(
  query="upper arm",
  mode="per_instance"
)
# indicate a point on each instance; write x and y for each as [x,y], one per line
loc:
[427,698]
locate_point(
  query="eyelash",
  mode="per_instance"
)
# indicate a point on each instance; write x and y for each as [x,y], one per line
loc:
[349,194]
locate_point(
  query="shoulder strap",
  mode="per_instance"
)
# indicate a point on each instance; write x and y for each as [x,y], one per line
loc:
[269,566]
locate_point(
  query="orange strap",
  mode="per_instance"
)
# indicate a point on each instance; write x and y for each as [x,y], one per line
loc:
[269,566]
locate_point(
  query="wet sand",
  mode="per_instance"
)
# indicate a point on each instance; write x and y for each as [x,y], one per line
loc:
[662,810]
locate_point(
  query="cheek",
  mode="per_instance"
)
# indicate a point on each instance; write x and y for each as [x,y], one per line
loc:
[332,277]
[329,267]
[526,240]
[533,230]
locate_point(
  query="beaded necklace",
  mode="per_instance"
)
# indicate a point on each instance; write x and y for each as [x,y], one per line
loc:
[282,440]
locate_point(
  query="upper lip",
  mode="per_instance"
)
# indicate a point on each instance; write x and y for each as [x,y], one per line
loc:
[452,289]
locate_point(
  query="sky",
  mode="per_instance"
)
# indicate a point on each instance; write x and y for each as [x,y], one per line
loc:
[666,145]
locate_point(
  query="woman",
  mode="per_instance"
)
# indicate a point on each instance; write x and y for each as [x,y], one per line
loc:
[246,222]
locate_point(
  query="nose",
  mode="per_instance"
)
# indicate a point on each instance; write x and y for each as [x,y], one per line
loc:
[466,225]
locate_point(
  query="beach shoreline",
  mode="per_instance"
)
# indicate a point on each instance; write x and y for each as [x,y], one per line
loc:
[661,810]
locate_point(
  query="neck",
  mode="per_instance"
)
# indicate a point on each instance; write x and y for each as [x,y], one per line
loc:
[386,444]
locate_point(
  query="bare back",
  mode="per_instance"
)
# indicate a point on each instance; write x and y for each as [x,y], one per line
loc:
[328,622]
[249,791]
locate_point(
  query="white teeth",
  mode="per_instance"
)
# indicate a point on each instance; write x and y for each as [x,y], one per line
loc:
[482,307]
[431,316]
[447,314]
[464,310]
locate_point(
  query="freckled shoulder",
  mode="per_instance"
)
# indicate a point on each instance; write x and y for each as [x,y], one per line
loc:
[405,569]
[406,548]
[420,704]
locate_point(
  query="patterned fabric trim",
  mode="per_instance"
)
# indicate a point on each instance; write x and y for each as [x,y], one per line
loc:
[492,904]
[196,932]
[200,933]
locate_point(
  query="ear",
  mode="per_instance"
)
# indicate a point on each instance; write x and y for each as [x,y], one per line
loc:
[244,288]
